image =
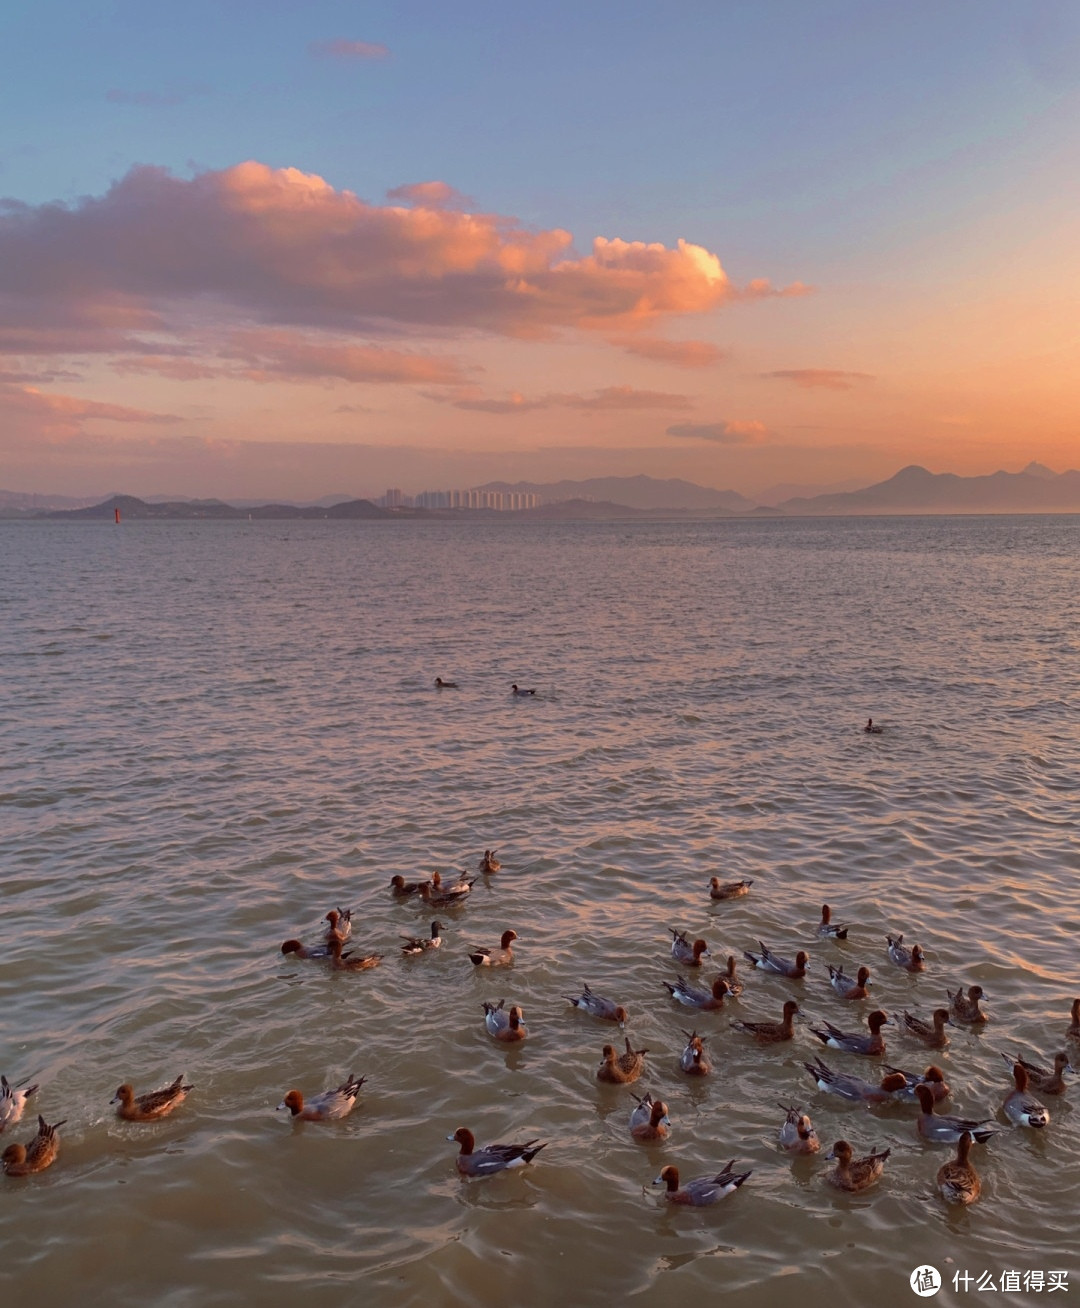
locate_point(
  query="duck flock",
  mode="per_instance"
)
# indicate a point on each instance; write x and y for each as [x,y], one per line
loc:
[861,1043]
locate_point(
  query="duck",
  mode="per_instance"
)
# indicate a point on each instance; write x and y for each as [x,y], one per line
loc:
[701,1190]
[734,985]
[942,1128]
[13,1102]
[305,951]
[827,929]
[349,961]
[507,1027]
[501,957]
[852,1173]
[694,1061]
[729,889]
[473,1162]
[768,1033]
[41,1152]
[151,1106]
[402,888]
[767,961]
[590,1002]
[847,988]
[683,951]
[797,1134]
[649,1121]
[329,1106]
[911,960]
[439,893]
[489,863]
[707,1000]
[965,1008]
[422,944]
[930,1033]
[1041,1078]
[853,1088]
[1072,1037]
[957,1179]
[1020,1106]
[872,729]
[340,928]
[445,685]
[621,1069]
[520,691]
[854,1042]
[933,1077]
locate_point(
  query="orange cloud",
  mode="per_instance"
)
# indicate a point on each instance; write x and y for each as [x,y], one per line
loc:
[734,431]
[342,48]
[610,398]
[65,415]
[832,379]
[430,195]
[684,354]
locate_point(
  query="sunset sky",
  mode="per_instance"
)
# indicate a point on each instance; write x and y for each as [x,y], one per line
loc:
[279,250]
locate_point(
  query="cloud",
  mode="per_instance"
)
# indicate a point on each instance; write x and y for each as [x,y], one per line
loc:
[684,354]
[735,431]
[284,247]
[831,379]
[23,407]
[342,48]
[610,398]
[431,195]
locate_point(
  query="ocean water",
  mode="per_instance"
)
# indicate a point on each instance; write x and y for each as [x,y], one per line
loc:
[215,732]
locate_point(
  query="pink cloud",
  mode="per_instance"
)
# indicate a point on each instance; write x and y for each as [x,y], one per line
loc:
[832,379]
[684,354]
[610,398]
[734,431]
[342,48]
[431,195]
[64,415]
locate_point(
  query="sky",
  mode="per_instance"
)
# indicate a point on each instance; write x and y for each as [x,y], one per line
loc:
[283,251]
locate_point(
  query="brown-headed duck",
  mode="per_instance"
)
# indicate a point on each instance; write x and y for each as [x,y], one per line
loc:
[402,888]
[152,1105]
[854,1042]
[768,1033]
[854,1088]
[701,1190]
[729,889]
[13,1101]
[505,1026]
[1072,1037]
[827,929]
[1022,1107]
[932,1033]
[305,951]
[24,1160]
[911,960]
[340,924]
[439,892]
[445,685]
[519,692]
[501,957]
[694,1061]
[845,986]
[707,1000]
[649,1121]
[933,1077]
[422,944]
[965,1008]
[1041,1078]
[797,1134]
[489,863]
[621,1069]
[957,1180]
[349,961]
[734,984]
[328,1106]
[942,1128]
[689,953]
[767,961]
[590,1002]
[872,729]
[852,1173]
[493,1158]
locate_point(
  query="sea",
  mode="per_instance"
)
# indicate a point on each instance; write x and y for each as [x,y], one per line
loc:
[215,732]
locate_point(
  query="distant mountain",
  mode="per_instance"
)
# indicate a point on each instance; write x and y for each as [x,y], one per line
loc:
[132,508]
[634,492]
[787,490]
[17,504]
[915,490]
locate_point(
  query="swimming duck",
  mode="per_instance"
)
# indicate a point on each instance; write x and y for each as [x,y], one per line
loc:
[694,1061]
[682,951]
[826,928]
[933,1077]
[328,1106]
[620,1069]
[12,1102]
[1020,1106]
[24,1160]
[520,691]
[847,988]
[797,1135]
[853,1088]
[422,944]
[692,997]
[965,1008]
[441,893]
[911,960]
[768,1033]
[305,951]
[854,1042]
[728,889]
[590,1002]
[702,1189]
[957,1180]
[152,1105]
[489,863]
[401,887]
[1041,1078]
[855,1173]
[931,1033]
[767,961]
[494,1158]
[649,1121]
[501,957]
[349,961]
[504,1026]
[871,729]
[942,1128]
[445,685]
[1072,1037]
[734,985]
[340,928]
